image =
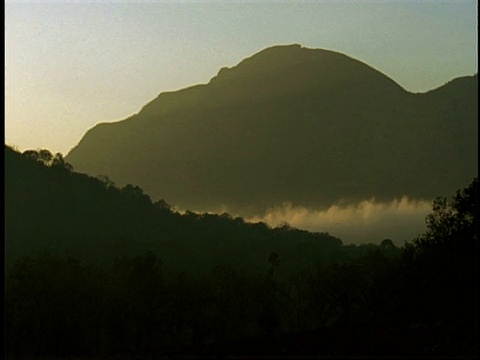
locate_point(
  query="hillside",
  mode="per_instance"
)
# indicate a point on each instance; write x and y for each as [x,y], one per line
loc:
[51,209]
[307,126]
[98,272]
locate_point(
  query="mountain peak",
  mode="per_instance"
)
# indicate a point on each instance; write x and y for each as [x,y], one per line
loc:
[283,67]
[270,52]
[272,58]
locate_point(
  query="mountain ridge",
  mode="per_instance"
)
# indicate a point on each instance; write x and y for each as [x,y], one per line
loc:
[307,126]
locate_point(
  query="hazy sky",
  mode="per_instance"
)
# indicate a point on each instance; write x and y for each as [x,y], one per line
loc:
[71,65]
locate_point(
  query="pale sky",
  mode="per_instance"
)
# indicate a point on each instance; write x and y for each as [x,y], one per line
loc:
[69,66]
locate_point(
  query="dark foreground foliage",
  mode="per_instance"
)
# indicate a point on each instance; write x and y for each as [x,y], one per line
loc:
[421,302]
[94,271]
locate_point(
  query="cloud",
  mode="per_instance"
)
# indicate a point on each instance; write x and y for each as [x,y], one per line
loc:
[367,221]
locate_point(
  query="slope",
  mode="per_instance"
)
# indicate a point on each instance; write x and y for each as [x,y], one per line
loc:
[52,209]
[307,126]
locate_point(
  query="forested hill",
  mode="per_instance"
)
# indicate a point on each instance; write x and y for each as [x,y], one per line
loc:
[420,301]
[291,124]
[50,208]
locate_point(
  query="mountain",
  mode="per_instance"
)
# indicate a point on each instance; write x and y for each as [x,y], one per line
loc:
[49,208]
[307,126]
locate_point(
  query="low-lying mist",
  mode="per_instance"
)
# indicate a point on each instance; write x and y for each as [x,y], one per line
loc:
[368,221]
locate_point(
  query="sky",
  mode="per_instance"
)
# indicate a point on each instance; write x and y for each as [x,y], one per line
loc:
[69,66]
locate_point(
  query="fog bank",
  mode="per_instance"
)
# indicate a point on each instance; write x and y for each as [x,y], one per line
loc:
[367,221]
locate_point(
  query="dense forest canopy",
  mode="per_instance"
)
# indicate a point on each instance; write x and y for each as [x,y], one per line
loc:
[94,270]
[92,219]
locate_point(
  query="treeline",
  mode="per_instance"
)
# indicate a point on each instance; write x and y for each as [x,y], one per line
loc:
[49,207]
[421,300]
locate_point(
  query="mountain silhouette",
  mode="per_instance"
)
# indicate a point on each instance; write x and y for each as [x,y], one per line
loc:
[291,124]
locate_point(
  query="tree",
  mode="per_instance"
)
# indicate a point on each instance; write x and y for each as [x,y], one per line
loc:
[44,156]
[443,263]
[162,205]
[452,226]
[387,244]
[48,159]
